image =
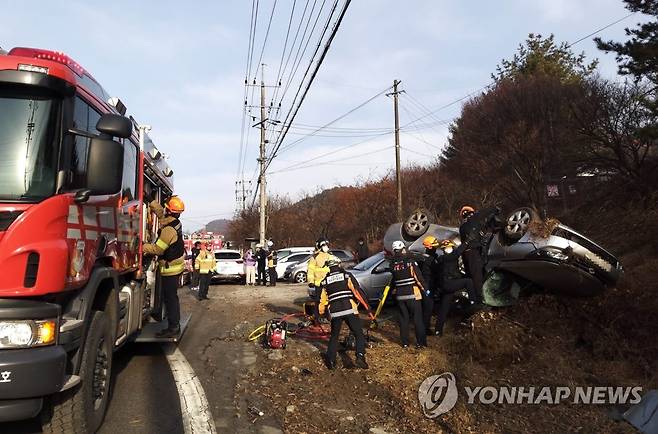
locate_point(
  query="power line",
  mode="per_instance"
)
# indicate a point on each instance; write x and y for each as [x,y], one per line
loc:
[322,163]
[349,112]
[310,82]
[493,82]
[267,33]
[283,53]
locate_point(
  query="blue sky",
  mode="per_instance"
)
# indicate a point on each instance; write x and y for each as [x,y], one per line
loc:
[180,67]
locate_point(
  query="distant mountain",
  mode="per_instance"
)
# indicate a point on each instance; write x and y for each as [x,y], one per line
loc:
[218,226]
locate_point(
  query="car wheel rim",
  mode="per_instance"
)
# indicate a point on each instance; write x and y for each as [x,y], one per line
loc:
[518,222]
[300,278]
[99,380]
[418,221]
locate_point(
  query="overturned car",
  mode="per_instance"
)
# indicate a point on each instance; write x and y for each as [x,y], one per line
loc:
[524,251]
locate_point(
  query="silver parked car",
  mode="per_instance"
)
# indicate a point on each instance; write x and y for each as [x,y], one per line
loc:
[297,273]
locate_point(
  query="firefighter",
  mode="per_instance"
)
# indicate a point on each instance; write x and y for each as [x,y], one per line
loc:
[205,265]
[452,281]
[431,277]
[472,231]
[194,284]
[407,285]
[272,261]
[338,293]
[170,250]
[317,270]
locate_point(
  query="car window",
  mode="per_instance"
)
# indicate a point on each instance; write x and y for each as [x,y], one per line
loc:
[369,263]
[227,255]
[384,266]
[340,254]
[299,257]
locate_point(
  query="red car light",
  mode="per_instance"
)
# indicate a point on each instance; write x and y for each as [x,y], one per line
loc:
[54,56]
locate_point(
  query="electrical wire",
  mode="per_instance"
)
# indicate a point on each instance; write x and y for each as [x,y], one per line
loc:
[267,33]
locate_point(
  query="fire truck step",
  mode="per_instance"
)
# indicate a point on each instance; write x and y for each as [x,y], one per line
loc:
[149,330]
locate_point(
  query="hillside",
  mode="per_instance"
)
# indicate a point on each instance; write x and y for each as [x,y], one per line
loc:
[218,226]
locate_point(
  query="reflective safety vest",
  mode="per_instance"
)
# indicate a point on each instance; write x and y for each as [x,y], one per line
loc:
[340,297]
[404,279]
[172,262]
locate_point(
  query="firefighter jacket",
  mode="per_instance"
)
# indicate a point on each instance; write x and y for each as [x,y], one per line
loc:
[338,291]
[169,246]
[449,264]
[205,263]
[406,281]
[473,230]
[272,260]
[431,271]
[316,268]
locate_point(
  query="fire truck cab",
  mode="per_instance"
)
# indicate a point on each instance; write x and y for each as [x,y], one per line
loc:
[76,176]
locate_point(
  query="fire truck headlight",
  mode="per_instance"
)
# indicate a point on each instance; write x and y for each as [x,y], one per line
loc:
[25,334]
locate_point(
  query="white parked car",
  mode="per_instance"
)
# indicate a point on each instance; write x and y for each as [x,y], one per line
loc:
[293,258]
[230,266]
[282,253]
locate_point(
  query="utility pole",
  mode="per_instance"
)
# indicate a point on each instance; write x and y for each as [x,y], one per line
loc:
[398,177]
[261,160]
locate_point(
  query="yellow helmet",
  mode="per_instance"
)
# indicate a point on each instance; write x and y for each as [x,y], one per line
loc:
[430,242]
[447,243]
[175,205]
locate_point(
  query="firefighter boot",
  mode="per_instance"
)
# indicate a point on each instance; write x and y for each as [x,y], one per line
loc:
[168,333]
[361,361]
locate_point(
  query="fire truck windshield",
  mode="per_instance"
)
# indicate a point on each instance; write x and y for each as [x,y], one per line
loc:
[28,144]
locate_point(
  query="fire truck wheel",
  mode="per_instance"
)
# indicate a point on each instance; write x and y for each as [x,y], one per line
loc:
[82,408]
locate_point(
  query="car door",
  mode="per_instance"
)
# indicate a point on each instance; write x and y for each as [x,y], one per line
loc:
[380,278]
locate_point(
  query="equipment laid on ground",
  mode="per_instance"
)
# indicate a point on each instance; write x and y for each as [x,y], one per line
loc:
[275,334]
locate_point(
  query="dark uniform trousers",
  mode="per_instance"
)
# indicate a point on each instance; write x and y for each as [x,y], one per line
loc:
[414,308]
[354,323]
[170,299]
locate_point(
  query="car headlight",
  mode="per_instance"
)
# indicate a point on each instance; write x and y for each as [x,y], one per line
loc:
[27,333]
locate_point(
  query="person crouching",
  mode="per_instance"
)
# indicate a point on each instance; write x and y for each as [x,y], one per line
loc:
[338,290]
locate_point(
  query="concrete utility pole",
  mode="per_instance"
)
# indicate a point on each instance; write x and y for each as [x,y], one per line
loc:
[398,178]
[262,159]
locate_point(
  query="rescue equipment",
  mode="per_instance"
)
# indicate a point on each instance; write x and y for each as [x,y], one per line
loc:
[275,334]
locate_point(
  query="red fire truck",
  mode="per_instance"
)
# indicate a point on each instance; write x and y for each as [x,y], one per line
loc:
[75,179]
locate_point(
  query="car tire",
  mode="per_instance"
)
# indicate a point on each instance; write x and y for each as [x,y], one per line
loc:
[417,223]
[518,222]
[82,408]
[300,277]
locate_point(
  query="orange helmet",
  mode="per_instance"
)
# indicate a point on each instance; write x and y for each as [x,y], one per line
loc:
[447,243]
[466,209]
[175,205]
[430,242]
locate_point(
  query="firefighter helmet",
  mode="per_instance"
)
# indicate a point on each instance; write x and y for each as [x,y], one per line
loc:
[466,211]
[321,242]
[397,245]
[175,205]
[447,243]
[430,242]
[332,261]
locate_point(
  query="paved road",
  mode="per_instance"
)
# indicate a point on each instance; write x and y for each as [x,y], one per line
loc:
[145,397]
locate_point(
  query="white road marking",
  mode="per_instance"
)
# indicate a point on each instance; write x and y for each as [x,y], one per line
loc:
[195,410]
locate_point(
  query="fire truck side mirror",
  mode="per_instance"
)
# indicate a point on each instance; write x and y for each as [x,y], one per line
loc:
[115,125]
[104,166]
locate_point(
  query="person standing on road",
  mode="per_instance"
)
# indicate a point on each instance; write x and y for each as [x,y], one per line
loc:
[338,293]
[431,276]
[408,286]
[249,267]
[206,264]
[170,250]
[362,250]
[261,259]
[317,270]
[452,281]
[472,231]
[194,285]
[271,267]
